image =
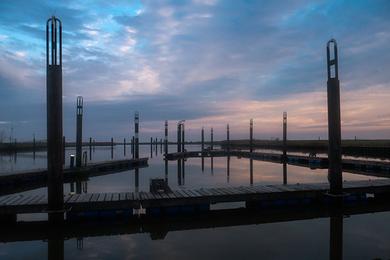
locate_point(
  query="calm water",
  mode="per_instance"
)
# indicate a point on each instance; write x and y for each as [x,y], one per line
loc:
[365,236]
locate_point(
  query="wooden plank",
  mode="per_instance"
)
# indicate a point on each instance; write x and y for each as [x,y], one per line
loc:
[94,197]
[115,197]
[74,198]
[102,197]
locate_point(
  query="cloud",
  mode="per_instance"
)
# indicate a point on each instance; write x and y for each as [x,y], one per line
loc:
[224,59]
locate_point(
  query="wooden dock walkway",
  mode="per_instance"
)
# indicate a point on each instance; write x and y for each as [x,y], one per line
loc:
[375,168]
[33,179]
[203,197]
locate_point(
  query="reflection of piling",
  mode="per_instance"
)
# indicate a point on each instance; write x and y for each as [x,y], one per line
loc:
[251,171]
[112,148]
[251,135]
[284,136]
[228,168]
[336,231]
[202,148]
[284,173]
[54,114]
[334,125]
[136,138]
[136,179]
[79,130]
[34,147]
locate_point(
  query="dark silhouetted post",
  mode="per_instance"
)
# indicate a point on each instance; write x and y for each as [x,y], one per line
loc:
[112,148]
[251,170]
[211,139]
[136,132]
[179,137]
[182,137]
[284,173]
[54,114]
[166,138]
[90,148]
[155,146]
[284,136]
[63,150]
[334,124]
[132,146]
[79,130]
[124,146]
[251,135]
[151,147]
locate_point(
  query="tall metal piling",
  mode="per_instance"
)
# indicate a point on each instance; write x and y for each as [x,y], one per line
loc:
[132,146]
[90,148]
[211,139]
[124,146]
[136,132]
[166,137]
[151,147]
[227,137]
[63,150]
[251,135]
[284,136]
[54,115]
[79,130]
[112,148]
[182,137]
[334,121]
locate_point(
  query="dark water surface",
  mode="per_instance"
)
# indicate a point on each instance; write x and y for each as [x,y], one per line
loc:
[365,236]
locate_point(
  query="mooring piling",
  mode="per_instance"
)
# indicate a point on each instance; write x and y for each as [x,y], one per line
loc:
[90,148]
[124,146]
[228,137]
[182,137]
[211,139]
[334,124]
[202,148]
[54,114]
[112,148]
[63,150]
[34,147]
[136,132]
[285,172]
[132,146]
[151,147]
[166,137]
[251,135]
[79,129]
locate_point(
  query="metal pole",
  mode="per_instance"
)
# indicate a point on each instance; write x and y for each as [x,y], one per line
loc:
[166,138]
[90,148]
[112,148]
[54,114]
[124,146]
[63,150]
[251,135]
[182,137]
[211,139]
[151,147]
[79,130]
[34,147]
[202,137]
[334,124]
[136,132]
[179,137]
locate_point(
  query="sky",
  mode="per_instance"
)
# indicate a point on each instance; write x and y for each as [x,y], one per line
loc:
[209,62]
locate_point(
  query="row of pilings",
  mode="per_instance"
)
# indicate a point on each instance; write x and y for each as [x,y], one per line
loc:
[55,142]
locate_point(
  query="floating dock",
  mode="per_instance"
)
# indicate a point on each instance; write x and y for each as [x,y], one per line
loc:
[375,168]
[27,180]
[93,204]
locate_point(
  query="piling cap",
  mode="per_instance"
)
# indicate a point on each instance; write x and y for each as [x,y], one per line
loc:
[332,63]
[53,41]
